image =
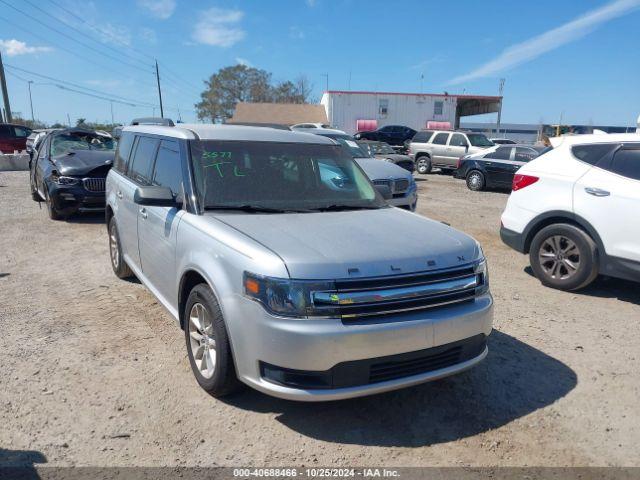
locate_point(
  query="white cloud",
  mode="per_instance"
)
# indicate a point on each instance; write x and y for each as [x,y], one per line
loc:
[243,61]
[311,3]
[550,40]
[115,34]
[161,9]
[105,83]
[148,35]
[219,27]
[13,47]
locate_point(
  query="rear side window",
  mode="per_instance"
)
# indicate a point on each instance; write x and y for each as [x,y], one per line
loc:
[525,154]
[5,131]
[168,169]
[440,139]
[422,137]
[458,140]
[627,163]
[122,154]
[143,159]
[22,132]
[502,153]
[593,153]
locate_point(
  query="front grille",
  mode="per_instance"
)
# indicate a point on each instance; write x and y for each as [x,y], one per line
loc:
[405,368]
[94,184]
[368,297]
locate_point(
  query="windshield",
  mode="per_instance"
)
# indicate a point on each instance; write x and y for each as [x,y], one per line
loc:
[479,140]
[67,142]
[278,176]
[349,145]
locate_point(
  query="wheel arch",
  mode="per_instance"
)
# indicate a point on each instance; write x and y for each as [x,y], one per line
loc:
[108,215]
[559,216]
[189,279]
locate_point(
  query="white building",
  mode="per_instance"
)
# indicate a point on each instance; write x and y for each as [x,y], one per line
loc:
[354,111]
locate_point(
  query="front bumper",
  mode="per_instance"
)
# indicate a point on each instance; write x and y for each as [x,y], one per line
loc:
[409,201]
[316,346]
[69,199]
[513,239]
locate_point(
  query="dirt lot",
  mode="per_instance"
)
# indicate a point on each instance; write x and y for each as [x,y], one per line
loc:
[94,371]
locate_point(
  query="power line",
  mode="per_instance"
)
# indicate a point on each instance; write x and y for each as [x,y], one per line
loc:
[74,39]
[92,92]
[99,42]
[101,30]
[72,52]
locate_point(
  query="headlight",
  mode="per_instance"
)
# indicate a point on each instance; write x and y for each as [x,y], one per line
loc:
[62,180]
[481,270]
[288,298]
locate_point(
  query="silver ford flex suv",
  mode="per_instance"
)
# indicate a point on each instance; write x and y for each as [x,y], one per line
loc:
[286,268]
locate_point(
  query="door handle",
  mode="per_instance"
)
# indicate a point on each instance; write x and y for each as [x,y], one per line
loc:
[488,163]
[143,213]
[119,194]
[597,192]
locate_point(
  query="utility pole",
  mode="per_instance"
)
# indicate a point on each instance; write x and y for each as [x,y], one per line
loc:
[500,90]
[5,93]
[112,122]
[159,91]
[31,101]
[68,120]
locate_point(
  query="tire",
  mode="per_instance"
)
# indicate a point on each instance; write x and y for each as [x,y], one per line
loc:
[54,214]
[564,257]
[35,196]
[423,164]
[475,180]
[118,264]
[214,370]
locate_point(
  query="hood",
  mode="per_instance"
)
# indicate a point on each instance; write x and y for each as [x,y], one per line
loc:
[81,162]
[395,157]
[328,245]
[377,169]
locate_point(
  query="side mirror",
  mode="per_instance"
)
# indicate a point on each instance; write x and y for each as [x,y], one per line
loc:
[385,191]
[466,148]
[154,196]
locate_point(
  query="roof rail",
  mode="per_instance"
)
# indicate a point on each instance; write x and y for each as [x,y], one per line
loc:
[167,122]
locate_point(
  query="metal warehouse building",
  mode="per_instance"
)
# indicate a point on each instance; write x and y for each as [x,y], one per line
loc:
[354,111]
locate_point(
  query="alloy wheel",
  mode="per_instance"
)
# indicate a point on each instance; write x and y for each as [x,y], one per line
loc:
[475,181]
[423,165]
[559,257]
[203,343]
[113,246]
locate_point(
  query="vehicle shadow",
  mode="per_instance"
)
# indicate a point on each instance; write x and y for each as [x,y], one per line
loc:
[513,381]
[607,287]
[87,218]
[20,464]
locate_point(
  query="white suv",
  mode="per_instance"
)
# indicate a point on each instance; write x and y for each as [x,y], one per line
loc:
[575,211]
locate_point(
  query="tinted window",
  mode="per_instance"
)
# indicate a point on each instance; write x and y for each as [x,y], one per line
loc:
[5,131]
[502,153]
[387,129]
[438,107]
[440,139]
[22,132]
[422,137]
[122,154]
[525,154]
[143,159]
[458,140]
[168,169]
[627,164]
[592,154]
[479,140]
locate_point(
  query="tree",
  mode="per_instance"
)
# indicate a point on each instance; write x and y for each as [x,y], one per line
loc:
[230,86]
[241,83]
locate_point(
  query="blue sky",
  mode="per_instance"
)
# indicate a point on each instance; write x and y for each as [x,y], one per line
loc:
[576,58]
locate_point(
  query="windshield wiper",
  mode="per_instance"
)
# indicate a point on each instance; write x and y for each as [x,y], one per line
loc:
[255,209]
[338,208]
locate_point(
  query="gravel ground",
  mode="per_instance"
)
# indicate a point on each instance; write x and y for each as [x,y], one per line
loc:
[94,371]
